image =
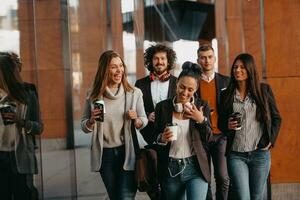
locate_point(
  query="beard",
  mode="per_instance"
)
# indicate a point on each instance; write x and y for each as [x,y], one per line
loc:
[158,69]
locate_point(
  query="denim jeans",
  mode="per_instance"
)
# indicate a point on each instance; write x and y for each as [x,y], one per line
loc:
[188,182]
[249,172]
[120,184]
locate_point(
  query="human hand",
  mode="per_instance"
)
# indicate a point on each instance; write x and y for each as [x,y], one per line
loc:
[166,135]
[151,117]
[192,112]
[132,114]
[232,124]
[9,117]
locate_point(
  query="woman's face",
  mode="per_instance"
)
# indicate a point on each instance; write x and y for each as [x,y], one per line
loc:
[185,89]
[239,71]
[115,72]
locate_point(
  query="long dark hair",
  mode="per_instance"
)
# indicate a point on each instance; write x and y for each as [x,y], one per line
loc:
[149,53]
[101,78]
[10,79]
[253,86]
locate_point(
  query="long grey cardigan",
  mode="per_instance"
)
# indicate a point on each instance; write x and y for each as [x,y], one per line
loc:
[24,145]
[134,100]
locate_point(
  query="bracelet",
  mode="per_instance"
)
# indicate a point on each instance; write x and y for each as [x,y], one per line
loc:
[90,123]
[28,126]
[204,120]
[159,142]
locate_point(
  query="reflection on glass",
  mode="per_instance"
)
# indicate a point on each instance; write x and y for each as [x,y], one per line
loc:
[9,33]
[127,6]
[185,51]
[177,24]
[130,54]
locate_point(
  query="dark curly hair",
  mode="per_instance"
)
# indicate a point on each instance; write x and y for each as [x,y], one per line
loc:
[149,53]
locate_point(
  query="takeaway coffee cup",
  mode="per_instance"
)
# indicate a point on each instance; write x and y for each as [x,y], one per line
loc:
[174,129]
[7,108]
[236,116]
[99,104]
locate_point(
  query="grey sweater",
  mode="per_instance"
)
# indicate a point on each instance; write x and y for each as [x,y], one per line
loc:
[134,100]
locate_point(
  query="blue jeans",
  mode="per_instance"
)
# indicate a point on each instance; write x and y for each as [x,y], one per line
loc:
[249,172]
[120,184]
[187,180]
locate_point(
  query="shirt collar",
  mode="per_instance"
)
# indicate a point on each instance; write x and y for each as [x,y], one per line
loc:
[207,78]
[237,96]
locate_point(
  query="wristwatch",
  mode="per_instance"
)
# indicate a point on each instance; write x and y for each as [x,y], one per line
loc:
[26,124]
[204,120]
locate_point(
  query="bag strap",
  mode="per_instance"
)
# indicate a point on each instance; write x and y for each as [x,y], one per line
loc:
[135,140]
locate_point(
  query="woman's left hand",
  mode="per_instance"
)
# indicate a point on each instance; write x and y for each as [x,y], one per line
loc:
[192,112]
[10,116]
[267,147]
[133,115]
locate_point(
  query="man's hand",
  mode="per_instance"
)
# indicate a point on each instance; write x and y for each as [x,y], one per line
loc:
[151,117]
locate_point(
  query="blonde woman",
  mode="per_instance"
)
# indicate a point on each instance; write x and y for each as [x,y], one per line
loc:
[112,149]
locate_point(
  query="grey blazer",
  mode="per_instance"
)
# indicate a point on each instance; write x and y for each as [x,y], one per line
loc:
[25,145]
[134,100]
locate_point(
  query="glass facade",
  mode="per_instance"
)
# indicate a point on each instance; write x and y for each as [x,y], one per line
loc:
[60,42]
[63,39]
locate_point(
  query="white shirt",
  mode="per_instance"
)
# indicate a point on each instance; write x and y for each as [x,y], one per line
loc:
[208,78]
[159,91]
[182,147]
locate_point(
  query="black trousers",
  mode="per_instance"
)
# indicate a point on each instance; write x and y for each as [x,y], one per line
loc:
[217,148]
[14,185]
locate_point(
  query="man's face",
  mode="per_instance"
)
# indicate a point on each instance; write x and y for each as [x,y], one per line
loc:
[160,62]
[207,60]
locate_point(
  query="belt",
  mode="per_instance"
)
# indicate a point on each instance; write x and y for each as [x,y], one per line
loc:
[114,150]
[183,160]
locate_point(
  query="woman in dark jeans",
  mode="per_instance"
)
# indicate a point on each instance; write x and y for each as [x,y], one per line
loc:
[183,165]
[19,123]
[253,133]
[112,150]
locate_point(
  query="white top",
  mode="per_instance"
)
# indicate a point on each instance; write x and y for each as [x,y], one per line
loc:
[7,132]
[182,147]
[159,91]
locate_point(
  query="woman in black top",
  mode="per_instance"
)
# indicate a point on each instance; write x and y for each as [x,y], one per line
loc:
[183,165]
